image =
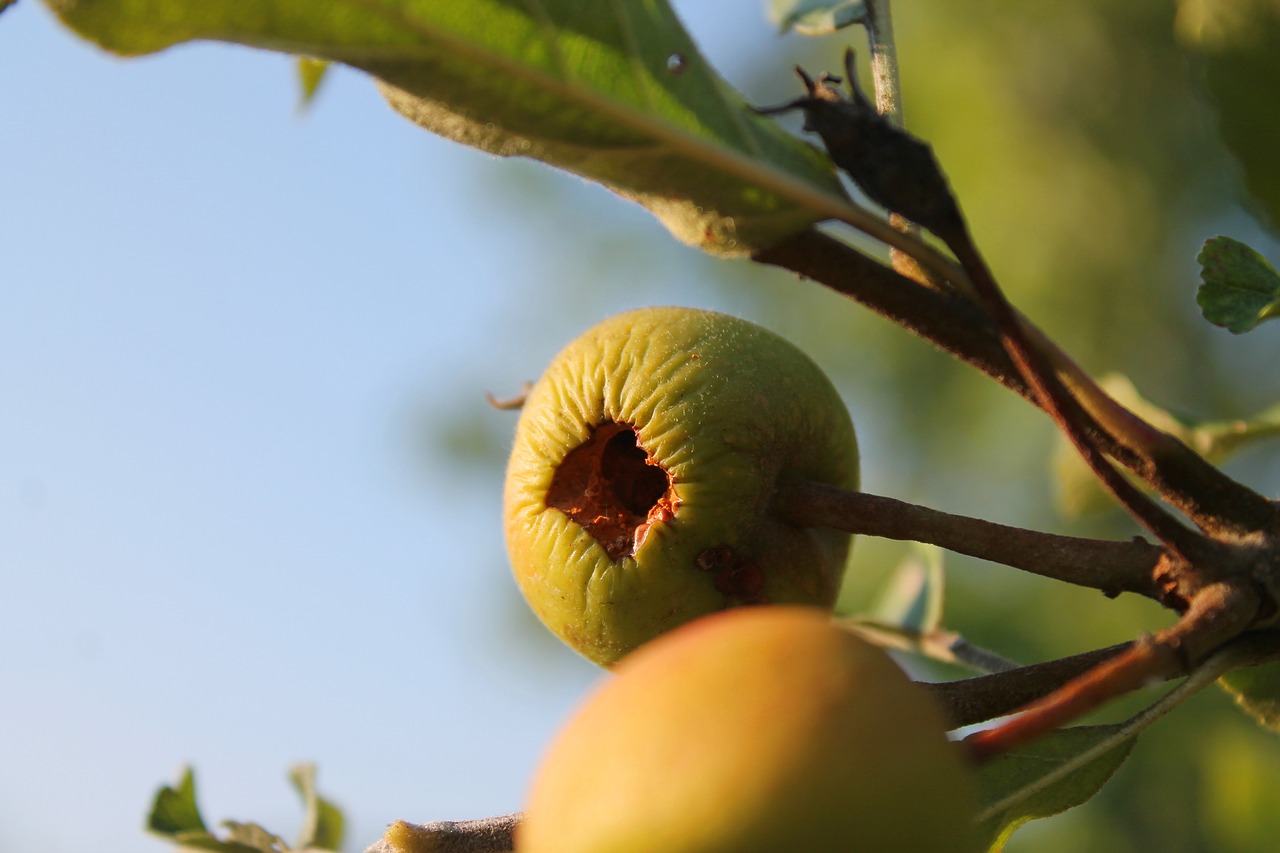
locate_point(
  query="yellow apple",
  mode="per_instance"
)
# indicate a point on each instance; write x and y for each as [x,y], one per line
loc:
[756,730]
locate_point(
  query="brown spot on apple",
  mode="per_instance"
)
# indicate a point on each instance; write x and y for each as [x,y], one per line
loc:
[611,486]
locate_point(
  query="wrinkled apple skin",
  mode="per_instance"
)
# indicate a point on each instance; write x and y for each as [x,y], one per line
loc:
[728,410]
[757,730]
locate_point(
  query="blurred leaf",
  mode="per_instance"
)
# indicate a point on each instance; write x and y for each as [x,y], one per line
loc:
[1002,779]
[250,836]
[816,17]
[615,92]
[1240,288]
[912,598]
[175,816]
[175,810]
[5,4]
[1077,489]
[1257,690]
[311,73]
[322,821]
[1235,42]
[1240,789]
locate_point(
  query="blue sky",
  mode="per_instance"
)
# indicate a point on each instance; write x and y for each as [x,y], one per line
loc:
[223,538]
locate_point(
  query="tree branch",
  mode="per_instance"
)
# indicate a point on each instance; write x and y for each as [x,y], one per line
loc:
[967,701]
[1113,567]
[955,324]
[1218,614]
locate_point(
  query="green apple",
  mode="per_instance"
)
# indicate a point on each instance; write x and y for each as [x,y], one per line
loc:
[639,485]
[758,730]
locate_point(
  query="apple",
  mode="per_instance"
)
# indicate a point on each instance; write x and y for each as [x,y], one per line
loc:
[638,490]
[756,730]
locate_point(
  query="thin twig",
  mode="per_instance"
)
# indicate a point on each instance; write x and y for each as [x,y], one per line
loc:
[967,701]
[1111,566]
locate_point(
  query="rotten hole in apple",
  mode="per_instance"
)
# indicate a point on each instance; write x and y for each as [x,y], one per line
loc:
[611,486]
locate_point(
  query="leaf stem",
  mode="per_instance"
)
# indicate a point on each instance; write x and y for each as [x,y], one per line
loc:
[937,644]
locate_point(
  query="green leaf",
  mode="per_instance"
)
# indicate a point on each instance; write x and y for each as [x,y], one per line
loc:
[614,90]
[1257,691]
[1240,288]
[174,810]
[816,17]
[322,822]
[311,73]
[1234,44]
[912,598]
[1012,788]
[5,4]
[175,817]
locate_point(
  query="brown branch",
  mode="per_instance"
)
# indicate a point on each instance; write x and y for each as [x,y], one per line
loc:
[1113,567]
[984,697]
[1057,400]
[1220,613]
[1202,492]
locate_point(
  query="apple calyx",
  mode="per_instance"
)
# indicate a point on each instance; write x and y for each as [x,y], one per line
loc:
[613,488]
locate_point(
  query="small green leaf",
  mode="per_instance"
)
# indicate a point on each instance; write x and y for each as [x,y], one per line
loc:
[1240,288]
[1257,691]
[322,822]
[176,818]
[816,17]
[174,810]
[311,73]
[912,598]
[1009,787]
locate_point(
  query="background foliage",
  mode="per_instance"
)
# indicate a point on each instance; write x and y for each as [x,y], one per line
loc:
[1081,141]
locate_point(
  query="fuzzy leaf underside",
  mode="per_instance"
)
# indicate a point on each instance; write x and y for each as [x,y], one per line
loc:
[613,90]
[1240,288]
[1017,771]
[816,17]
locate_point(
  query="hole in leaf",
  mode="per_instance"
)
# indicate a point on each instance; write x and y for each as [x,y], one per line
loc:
[612,487]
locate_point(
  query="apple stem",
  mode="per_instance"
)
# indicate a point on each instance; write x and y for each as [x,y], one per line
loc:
[1111,566]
